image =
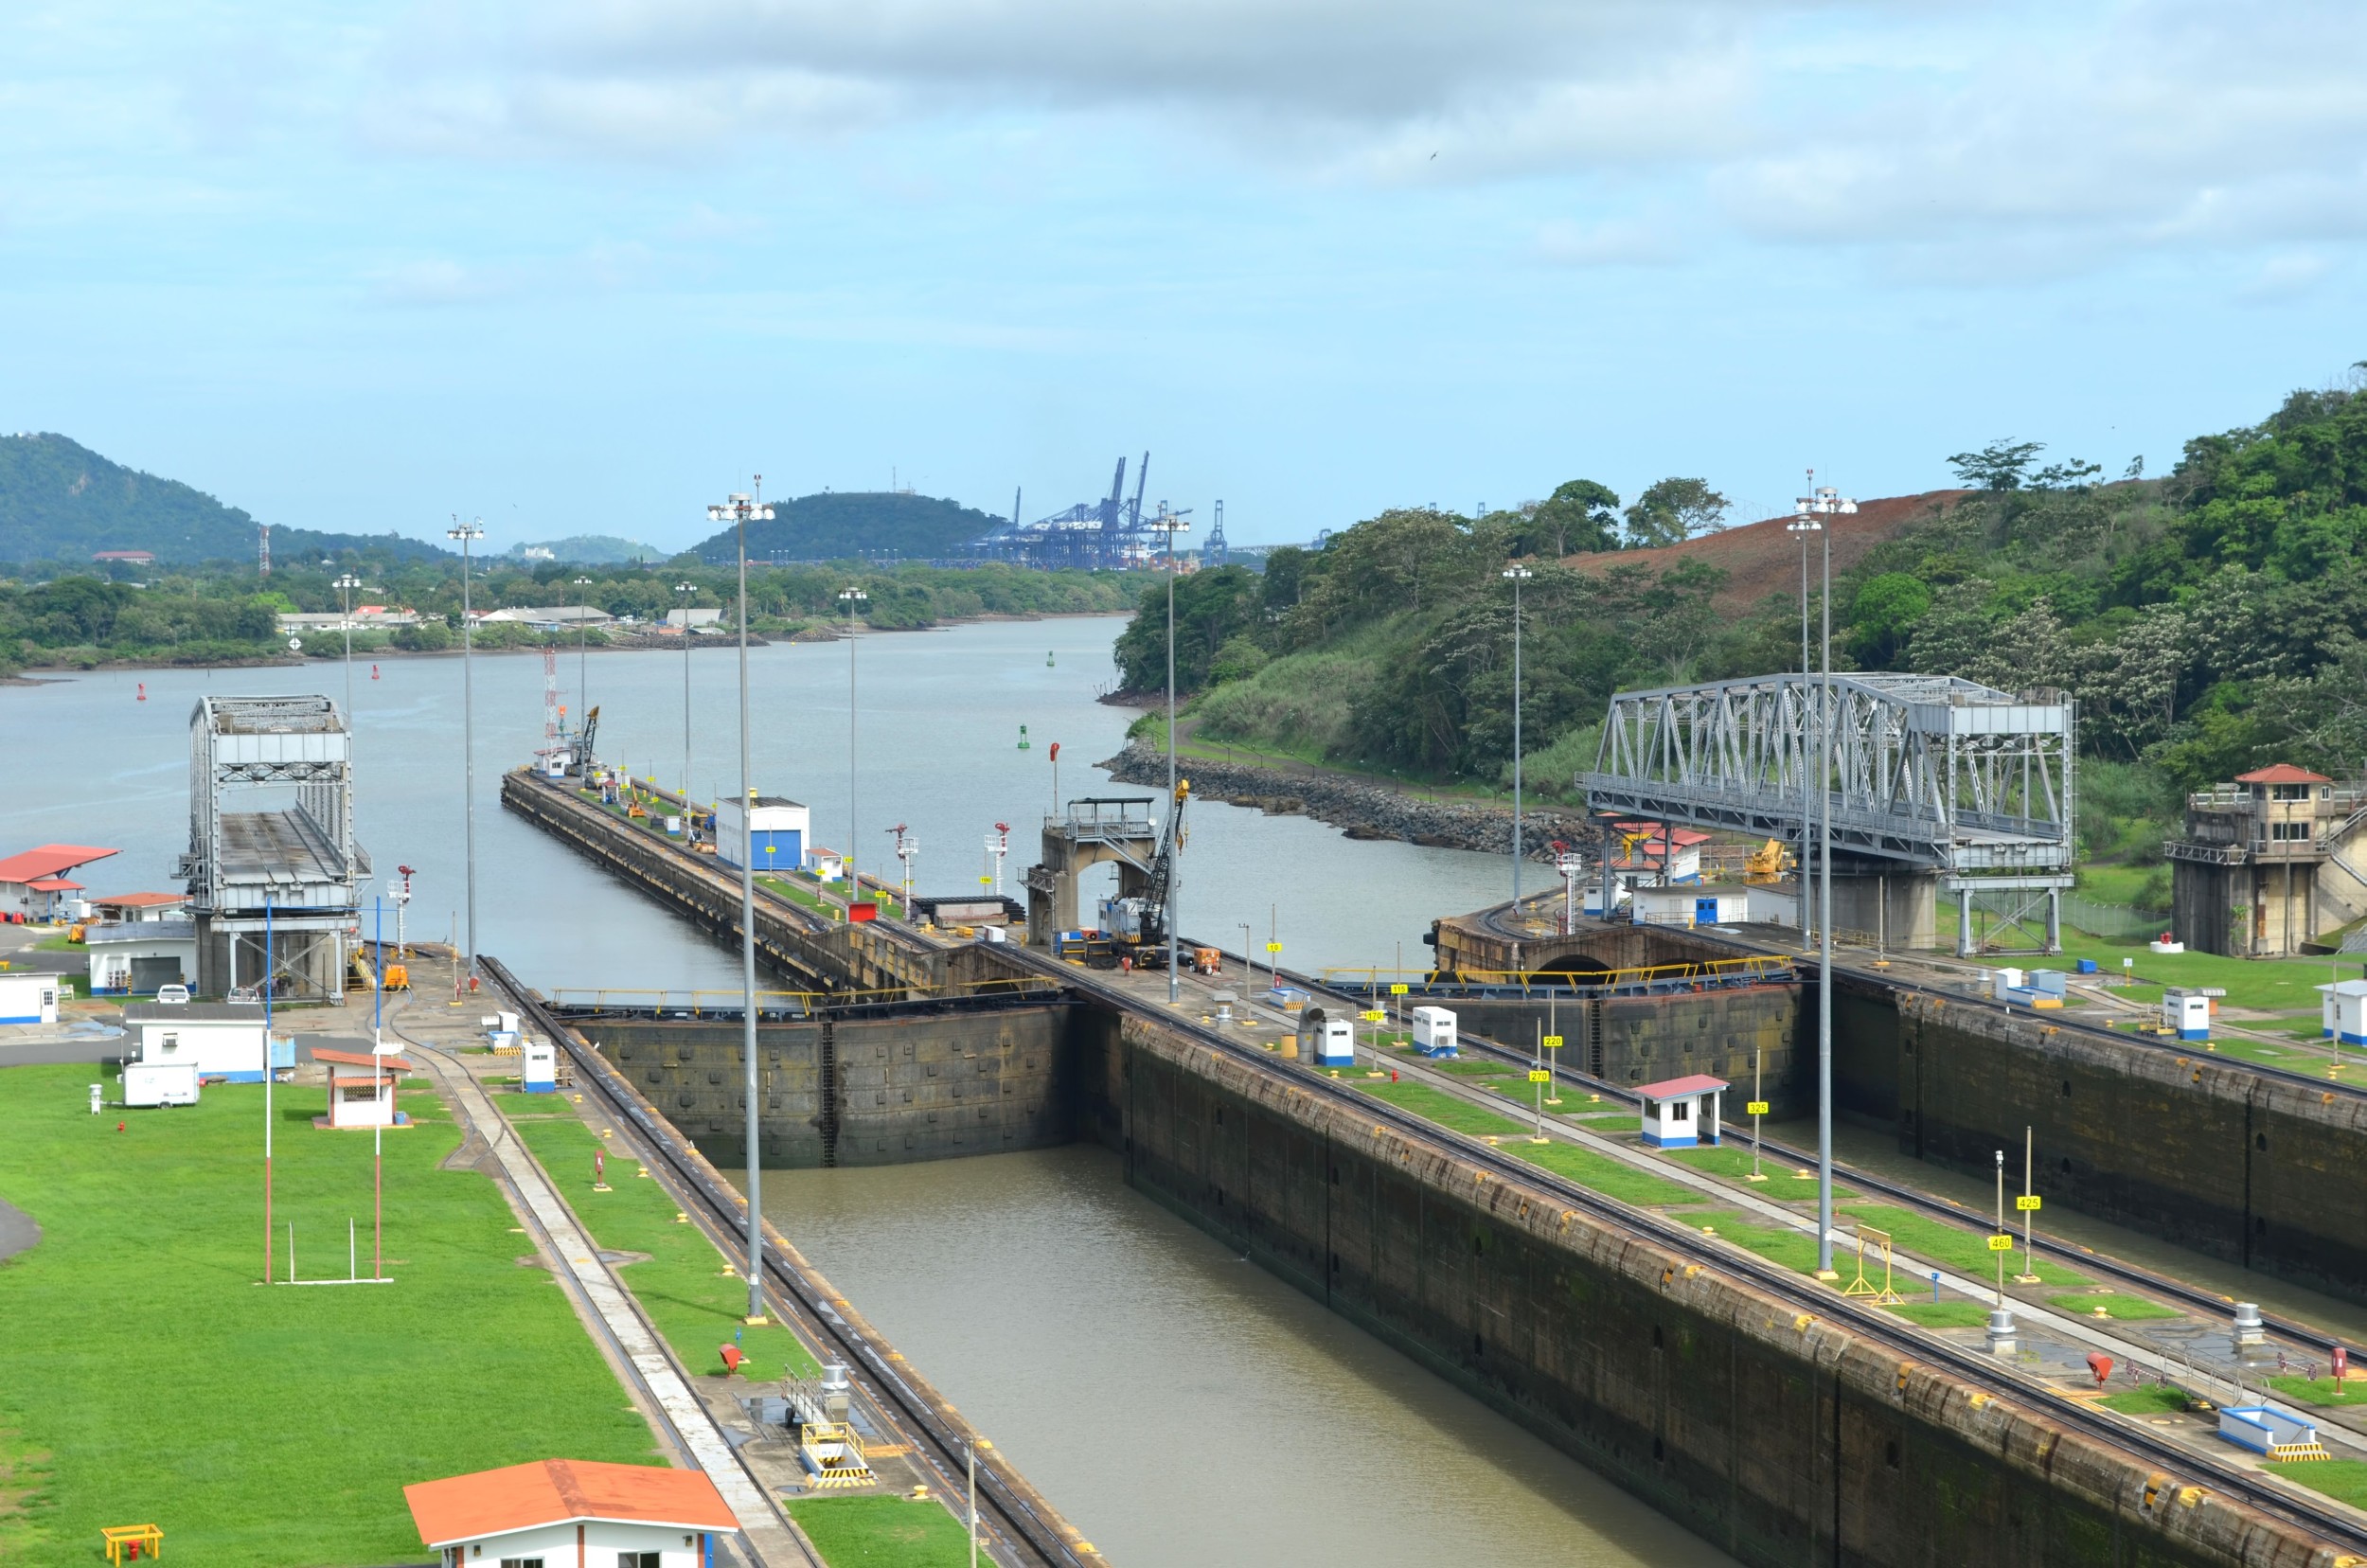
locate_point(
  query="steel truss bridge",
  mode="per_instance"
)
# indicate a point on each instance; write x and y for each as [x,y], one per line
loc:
[1928,771]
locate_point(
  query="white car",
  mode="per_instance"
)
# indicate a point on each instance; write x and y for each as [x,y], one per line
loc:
[176,996]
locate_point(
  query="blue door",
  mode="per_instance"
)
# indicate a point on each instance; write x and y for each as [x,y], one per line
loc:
[1705,912]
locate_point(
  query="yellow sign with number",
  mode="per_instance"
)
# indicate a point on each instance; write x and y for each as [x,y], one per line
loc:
[1757,1108]
[1538,1074]
[1398,987]
[2028,1203]
[1273,946]
[1374,1015]
[2000,1243]
[1553,1042]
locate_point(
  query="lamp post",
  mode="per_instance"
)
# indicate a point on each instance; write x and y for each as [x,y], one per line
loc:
[584,683]
[1516,574]
[346,585]
[851,597]
[1814,508]
[1171,523]
[468,533]
[686,590]
[741,509]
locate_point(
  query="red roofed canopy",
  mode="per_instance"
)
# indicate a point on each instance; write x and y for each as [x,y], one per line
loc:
[50,859]
[362,1059]
[53,884]
[561,1492]
[1698,1083]
[2283,773]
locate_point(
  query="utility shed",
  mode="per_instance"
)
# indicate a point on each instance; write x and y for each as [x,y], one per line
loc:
[136,956]
[1681,1113]
[362,1087]
[29,998]
[2345,1011]
[780,824]
[571,1511]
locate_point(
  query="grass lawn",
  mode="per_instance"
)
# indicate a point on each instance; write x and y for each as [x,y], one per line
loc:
[1791,1249]
[144,1369]
[2322,1392]
[1609,1176]
[2267,983]
[2152,1399]
[1958,1313]
[1961,1251]
[882,1532]
[2346,1480]
[1732,1160]
[2118,1307]
[683,1287]
[1436,1105]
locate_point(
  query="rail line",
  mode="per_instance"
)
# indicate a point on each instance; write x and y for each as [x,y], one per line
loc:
[1029,1537]
[2231,1481]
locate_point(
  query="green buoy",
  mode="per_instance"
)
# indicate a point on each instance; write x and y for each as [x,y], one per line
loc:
[1023,738]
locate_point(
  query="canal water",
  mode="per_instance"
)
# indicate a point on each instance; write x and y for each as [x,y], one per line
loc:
[1180,1406]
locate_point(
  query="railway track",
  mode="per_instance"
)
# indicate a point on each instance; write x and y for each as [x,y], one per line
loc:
[1011,1516]
[2228,1479]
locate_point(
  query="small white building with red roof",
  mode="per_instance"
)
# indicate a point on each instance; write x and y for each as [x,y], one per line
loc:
[571,1513]
[361,1088]
[1681,1113]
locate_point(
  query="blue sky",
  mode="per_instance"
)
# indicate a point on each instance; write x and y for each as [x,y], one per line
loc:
[581,265]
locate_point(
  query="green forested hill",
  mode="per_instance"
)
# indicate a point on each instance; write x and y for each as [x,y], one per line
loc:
[845,526]
[62,502]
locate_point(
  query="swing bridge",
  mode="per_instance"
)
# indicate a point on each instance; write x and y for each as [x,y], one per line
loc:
[1931,782]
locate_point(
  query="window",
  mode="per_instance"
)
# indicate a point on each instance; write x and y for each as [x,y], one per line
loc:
[2289,831]
[1680,1111]
[522,1563]
[637,1560]
[2288,791]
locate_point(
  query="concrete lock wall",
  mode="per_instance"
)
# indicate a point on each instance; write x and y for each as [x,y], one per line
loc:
[2182,1144]
[926,1085]
[1781,1438]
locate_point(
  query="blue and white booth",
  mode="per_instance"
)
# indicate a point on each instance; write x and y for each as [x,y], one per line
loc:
[2345,1011]
[1681,1113]
[2187,1011]
[540,1072]
[781,827]
[1325,1041]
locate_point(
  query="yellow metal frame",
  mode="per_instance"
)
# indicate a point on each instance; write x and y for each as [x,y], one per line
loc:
[1883,1296]
[148,1537]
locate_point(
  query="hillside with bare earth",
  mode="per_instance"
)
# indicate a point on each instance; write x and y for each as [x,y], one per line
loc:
[1762,558]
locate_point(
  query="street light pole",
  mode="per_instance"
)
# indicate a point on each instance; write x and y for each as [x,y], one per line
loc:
[1516,574]
[1815,507]
[583,682]
[851,597]
[1172,523]
[743,510]
[468,533]
[346,585]
[686,590]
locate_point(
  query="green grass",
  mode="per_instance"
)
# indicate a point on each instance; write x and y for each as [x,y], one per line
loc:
[2152,1399]
[2344,1480]
[1436,1105]
[1609,1176]
[2117,1307]
[1959,1251]
[255,1425]
[1958,1313]
[682,1287]
[2322,1392]
[2267,985]
[1790,1248]
[882,1532]
[1732,1160]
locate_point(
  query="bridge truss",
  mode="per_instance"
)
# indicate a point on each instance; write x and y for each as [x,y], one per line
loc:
[1929,774]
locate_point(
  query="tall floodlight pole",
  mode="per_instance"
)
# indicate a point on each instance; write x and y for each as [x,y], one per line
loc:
[852,598]
[346,585]
[468,533]
[1516,574]
[686,590]
[1171,523]
[1816,507]
[584,683]
[743,510]
[1803,525]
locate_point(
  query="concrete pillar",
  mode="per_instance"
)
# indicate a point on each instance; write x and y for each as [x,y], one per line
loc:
[2054,919]
[1964,923]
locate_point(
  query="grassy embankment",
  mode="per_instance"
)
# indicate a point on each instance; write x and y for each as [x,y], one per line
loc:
[145,1377]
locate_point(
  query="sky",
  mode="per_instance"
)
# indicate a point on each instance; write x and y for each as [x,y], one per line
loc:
[586,265]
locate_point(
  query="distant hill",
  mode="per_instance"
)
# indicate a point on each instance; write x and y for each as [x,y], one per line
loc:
[59,501]
[588,550]
[1763,558]
[839,525]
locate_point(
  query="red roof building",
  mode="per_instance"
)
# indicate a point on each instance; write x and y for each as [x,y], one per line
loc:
[33,883]
[2282,773]
[1681,1113]
[570,1511]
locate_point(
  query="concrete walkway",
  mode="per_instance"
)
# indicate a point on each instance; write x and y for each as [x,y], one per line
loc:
[17,1231]
[769,1540]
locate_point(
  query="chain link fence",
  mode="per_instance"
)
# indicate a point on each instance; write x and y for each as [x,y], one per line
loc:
[2112,921]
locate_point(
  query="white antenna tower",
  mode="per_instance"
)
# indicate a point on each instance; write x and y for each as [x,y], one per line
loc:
[262,548]
[997,846]
[1571,865]
[550,699]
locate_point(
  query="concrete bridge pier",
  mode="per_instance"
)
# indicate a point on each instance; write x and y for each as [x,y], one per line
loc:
[1898,908]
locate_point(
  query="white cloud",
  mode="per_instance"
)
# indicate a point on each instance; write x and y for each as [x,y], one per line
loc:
[1614,242]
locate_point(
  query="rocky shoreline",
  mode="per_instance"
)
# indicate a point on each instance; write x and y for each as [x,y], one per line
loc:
[1360,809]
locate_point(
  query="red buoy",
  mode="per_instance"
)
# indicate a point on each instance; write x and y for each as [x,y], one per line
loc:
[373,673]
[143,696]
